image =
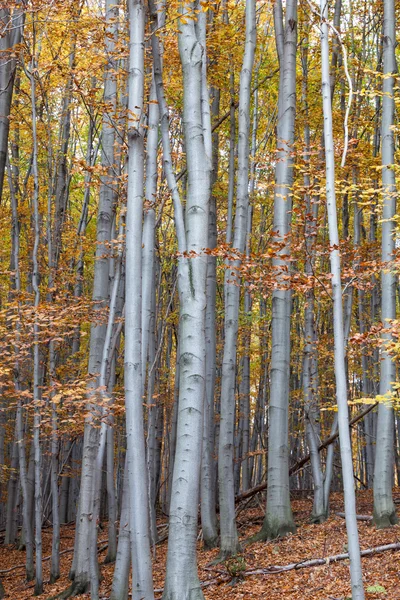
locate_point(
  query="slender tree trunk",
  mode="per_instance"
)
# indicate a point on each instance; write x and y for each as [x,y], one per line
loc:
[142,583]
[339,341]
[182,582]
[36,347]
[120,584]
[278,517]
[11,24]
[208,491]
[81,570]
[384,509]
[148,295]
[229,537]
[318,514]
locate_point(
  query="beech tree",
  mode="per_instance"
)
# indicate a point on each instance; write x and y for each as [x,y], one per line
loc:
[278,518]
[384,510]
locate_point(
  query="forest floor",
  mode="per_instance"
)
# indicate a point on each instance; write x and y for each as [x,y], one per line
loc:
[327,582]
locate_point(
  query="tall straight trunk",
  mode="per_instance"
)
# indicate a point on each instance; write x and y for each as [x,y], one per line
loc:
[153,411]
[231,168]
[120,584]
[229,537]
[11,24]
[54,246]
[334,64]
[36,347]
[18,445]
[107,363]
[339,340]
[109,381]
[182,582]
[245,395]
[142,583]
[149,223]
[148,294]
[82,571]
[208,491]
[61,175]
[384,509]
[12,488]
[26,517]
[278,517]
[319,513]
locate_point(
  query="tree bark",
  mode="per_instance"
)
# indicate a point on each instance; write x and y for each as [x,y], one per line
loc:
[142,580]
[278,517]
[182,581]
[339,339]
[229,537]
[384,510]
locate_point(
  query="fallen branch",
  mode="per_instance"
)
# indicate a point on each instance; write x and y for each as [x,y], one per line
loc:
[274,570]
[358,517]
[315,562]
[49,557]
[300,464]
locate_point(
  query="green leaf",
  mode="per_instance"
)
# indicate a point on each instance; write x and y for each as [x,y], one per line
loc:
[376,588]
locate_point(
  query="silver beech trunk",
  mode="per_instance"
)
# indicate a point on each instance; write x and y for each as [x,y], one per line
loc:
[339,336]
[182,582]
[229,537]
[142,579]
[278,517]
[82,571]
[384,509]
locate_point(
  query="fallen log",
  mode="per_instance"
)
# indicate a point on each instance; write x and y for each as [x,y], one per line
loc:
[303,461]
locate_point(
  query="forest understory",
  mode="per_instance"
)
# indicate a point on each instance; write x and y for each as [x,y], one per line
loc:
[232,580]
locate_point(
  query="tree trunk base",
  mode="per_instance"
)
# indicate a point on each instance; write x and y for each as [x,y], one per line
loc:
[210,543]
[385,520]
[273,529]
[54,577]
[193,594]
[38,588]
[226,553]
[318,519]
[76,588]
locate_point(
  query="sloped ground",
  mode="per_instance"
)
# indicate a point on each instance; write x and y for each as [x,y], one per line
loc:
[327,582]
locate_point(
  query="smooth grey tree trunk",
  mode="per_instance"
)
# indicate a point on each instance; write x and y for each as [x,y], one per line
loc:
[208,491]
[120,584]
[182,582]
[11,23]
[384,509]
[36,347]
[142,579]
[229,538]
[339,339]
[81,571]
[310,390]
[278,517]
[148,296]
